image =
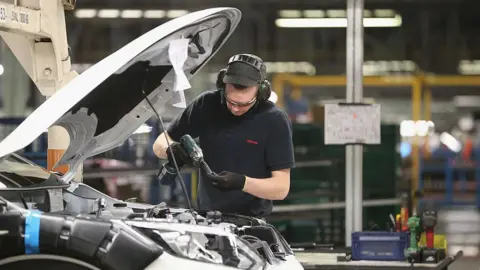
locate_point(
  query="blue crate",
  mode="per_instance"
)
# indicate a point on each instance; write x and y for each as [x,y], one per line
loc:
[379,246]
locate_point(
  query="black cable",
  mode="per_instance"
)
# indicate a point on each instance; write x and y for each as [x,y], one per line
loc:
[182,184]
[23,200]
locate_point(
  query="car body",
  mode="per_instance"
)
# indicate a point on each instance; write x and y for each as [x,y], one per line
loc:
[49,221]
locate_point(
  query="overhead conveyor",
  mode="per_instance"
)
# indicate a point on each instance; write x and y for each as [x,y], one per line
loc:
[35,32]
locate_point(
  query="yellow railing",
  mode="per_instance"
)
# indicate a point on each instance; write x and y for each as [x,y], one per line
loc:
[421,86]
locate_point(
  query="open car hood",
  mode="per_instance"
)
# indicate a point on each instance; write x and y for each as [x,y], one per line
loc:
[104,105]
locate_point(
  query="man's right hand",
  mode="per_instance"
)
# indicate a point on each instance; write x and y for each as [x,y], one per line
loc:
[180,155]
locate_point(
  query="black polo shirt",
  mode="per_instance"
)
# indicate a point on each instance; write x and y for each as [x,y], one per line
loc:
[254,144]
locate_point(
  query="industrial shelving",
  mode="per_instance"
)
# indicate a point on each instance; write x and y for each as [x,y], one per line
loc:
[448,179]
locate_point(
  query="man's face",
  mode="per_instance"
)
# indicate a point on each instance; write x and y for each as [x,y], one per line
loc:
[240,99]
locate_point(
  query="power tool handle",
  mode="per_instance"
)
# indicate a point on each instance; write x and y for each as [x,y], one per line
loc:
[189,144]
[207,169]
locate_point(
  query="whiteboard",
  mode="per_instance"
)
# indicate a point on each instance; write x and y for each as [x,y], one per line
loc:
[352,124]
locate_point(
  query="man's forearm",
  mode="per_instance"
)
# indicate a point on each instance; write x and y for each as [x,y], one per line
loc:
[267,188]
[160,146]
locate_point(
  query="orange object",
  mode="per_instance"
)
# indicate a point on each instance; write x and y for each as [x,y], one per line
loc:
[404,212]
[404,218]
[53,156]
[467,149]
[398,224]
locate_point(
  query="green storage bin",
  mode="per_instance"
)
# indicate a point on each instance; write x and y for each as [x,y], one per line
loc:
[380,165]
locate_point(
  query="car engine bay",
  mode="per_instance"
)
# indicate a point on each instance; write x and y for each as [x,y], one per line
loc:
[105,231]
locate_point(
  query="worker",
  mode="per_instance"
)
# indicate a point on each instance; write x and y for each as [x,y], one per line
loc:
[245,138]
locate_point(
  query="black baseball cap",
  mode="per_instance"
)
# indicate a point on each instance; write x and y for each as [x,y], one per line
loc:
[243,74]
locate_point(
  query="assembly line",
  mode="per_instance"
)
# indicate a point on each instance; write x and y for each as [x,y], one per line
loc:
[234,139]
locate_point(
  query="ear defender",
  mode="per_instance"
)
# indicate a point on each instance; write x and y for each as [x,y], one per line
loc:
[264,90]
[220,84]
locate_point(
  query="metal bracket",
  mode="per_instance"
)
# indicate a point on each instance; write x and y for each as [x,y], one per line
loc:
[69,4]
[35,32]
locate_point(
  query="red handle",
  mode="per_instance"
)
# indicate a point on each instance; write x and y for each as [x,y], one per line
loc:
[429,237]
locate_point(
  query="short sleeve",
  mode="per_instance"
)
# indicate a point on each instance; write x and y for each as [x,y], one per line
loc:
[279,148]
[189,121]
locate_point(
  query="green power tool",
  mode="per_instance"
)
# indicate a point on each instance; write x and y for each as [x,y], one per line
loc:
[167,174]
[412,253]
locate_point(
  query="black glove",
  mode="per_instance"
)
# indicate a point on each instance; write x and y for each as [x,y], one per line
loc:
[181,156]
[228,181]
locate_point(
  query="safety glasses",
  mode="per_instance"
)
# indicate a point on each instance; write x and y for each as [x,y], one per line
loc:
[243,104]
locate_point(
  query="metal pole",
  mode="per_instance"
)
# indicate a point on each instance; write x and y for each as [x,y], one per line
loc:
[349,161]
[358,97]
[354,154]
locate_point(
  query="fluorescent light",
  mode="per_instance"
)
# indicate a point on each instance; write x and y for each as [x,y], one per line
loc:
[410,128]
[85,13]
[383,22]
[422,128]
[450,142]
[384,13]
[407,128]
[312,23]
[336,22]
[291,67]
[469,67]
[131,13]
[314,13]
[290,13]
[174,13]
[108,13]
[337,13]
[1,69]
[154,14]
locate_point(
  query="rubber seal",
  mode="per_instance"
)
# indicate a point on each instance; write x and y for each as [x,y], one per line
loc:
[32,232]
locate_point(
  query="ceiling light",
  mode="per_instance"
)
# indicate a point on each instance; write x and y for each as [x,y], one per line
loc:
[314,13]
[108,13]
[131,13]
[174,13]
[384,13]
[336,22]
[337,13]
[312,23]
[290,13]
[85,13]
[154,14]
[451,142]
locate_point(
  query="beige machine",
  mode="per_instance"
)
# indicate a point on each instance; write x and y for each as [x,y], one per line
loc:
[35,31]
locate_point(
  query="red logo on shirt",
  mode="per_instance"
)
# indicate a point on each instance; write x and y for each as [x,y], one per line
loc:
[252,142]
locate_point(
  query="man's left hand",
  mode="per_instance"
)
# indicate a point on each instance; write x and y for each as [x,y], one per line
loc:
[228,181]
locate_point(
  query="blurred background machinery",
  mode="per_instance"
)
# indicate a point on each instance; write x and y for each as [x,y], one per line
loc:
[422,64]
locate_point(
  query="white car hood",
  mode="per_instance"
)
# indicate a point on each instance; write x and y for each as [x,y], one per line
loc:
[104,105]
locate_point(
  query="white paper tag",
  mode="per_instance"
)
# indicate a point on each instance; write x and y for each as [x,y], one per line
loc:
[179,99]
[349,124]
[178,53]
